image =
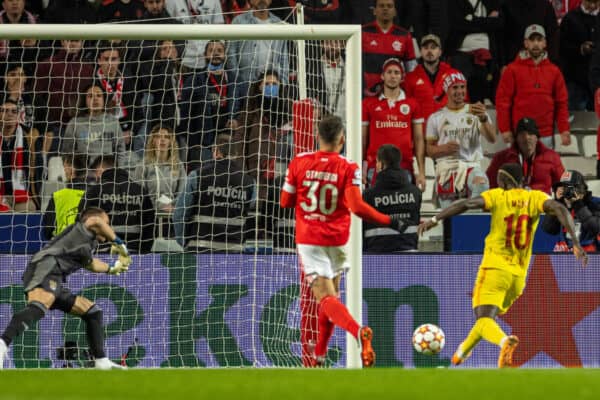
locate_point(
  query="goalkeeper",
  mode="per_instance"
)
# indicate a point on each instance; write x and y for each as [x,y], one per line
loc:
[44,279]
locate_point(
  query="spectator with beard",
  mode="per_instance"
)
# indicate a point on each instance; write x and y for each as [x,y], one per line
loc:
[210,103]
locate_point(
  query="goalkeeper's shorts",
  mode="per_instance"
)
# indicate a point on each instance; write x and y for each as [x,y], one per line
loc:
[45,274]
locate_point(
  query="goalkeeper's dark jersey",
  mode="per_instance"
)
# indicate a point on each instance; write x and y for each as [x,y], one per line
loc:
[72,249]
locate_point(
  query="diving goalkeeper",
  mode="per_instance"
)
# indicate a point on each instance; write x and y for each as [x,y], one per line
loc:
[48,270]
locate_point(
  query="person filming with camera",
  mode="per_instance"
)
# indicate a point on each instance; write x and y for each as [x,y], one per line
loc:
[573,193]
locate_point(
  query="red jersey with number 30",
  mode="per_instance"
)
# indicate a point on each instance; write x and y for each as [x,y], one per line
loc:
[319,181]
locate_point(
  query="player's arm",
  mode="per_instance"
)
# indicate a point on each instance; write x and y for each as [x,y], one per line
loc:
[287,198]
[458,207]
[97,266]
[116,268]
[360,208]
[553,207]
[98,225]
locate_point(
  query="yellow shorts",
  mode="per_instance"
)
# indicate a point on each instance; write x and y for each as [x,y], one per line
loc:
[498,288]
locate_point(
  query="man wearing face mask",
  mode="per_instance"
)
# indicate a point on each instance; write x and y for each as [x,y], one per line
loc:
[541,165]
[572,192]
[210,102]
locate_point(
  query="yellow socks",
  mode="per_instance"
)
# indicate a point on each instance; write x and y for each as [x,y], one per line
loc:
[484,328]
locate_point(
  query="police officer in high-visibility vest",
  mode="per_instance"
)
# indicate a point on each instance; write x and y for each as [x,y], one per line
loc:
[62,208]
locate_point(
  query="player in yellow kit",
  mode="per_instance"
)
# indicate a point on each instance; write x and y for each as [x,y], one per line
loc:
[501,277]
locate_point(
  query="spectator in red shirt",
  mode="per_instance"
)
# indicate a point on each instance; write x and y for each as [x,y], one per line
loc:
[424,83]
[393,118]
[541,166]
[381,39]
[533,86]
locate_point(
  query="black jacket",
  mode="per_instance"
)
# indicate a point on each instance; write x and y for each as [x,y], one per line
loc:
[461,27]
[393,194]
[128,206]
[576,28]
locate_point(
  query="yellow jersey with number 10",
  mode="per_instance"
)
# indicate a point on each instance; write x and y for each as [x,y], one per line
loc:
[515,217]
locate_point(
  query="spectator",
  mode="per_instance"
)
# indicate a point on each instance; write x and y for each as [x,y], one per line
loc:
[322,11]
[63,206]
[265,118]
[70,12]
[424,83]
[407,13]
[13,13]
[472,44]
[381,40]
[210,102]
[195,12]
[162,174]
[210,214]
[17,162]
[396,119]
[454,142]
[29,110]
[61,79]
[126,202]
[250,58]
[541,166]
[94,132]
[532,85]
[161,81]
[577,36]
[119,87]
[326,76]
[573,193]
[392,194]
[120,10]
[233,8]
[517,15]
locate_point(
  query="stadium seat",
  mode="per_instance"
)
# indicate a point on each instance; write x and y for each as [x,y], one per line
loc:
[586,166]
[572,149]
[594,186]
[428,193]
[583,122]
[589,146]
[485,163]
[56,171]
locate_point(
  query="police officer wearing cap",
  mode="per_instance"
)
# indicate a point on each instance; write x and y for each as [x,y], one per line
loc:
[572,191]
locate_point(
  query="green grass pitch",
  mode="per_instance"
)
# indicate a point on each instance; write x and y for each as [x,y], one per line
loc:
[290,384]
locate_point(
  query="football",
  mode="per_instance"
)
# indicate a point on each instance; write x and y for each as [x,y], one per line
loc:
[428,339]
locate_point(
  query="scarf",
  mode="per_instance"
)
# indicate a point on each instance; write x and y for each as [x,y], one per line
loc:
[117,92]
[17,172]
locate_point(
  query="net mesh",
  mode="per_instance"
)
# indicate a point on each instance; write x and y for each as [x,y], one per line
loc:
[185,144]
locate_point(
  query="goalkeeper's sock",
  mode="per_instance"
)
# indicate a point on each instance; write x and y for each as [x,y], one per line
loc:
[490,330]
[94,331]
[23,320]
[339,315]
[325,331]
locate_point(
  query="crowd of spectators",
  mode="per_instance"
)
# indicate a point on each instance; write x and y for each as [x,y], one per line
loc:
[142,117]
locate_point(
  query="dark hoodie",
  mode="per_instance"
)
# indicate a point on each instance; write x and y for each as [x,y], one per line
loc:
[128,206]
[393,194]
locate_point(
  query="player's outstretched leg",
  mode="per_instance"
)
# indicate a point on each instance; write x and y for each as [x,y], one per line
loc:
[19,323]
[367,354]
[507,349]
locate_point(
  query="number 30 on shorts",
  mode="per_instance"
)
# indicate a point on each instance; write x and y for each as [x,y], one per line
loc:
[317,195]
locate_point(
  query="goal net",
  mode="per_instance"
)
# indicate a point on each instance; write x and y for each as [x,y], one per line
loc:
[188,158]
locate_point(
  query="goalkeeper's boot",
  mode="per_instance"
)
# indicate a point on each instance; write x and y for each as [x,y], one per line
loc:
[367,354]
[505,360]
[105,364]
[3,352]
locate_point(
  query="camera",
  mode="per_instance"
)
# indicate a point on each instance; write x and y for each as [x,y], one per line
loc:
[569,192]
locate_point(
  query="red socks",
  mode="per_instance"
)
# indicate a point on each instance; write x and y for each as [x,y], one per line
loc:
[332,309]
[325,332]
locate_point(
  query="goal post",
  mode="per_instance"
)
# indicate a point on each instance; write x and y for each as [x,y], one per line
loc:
[351,34]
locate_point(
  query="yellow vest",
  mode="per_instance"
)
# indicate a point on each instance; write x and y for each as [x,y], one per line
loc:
[66,203]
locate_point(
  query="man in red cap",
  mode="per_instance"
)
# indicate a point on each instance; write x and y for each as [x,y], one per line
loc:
[393,118]
[454,141]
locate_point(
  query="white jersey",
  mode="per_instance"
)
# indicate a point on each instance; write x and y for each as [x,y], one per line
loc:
[460,126]
[195,12]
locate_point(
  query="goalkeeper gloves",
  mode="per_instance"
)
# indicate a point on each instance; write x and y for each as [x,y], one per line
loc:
[117,268]
[398,223]
[118,247]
